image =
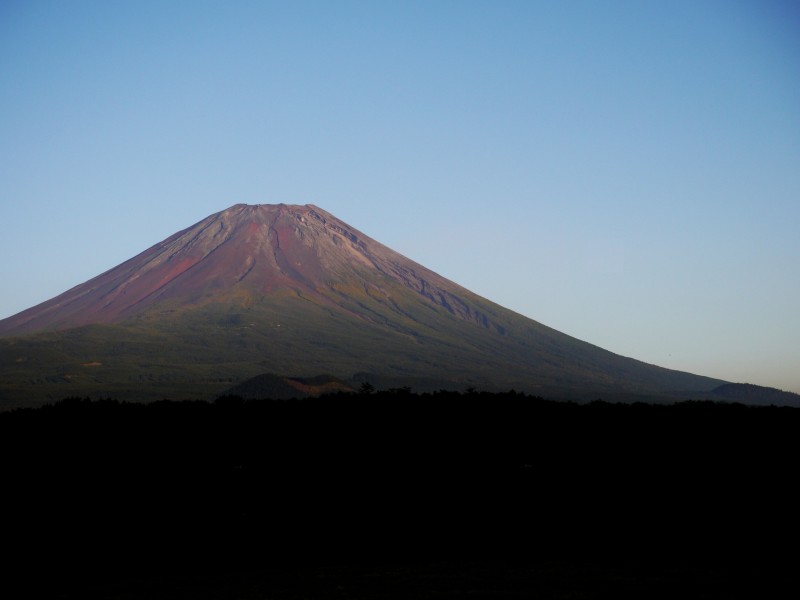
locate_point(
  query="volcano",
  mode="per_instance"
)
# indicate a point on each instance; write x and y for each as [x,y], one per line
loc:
[292,290]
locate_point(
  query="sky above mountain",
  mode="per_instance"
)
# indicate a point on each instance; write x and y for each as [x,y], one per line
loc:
[625,172]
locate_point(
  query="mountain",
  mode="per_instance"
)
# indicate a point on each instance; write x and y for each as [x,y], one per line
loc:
[294,291]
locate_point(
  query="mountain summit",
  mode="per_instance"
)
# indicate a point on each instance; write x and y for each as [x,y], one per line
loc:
[292,290]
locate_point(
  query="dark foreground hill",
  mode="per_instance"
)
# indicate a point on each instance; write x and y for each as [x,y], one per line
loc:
[276,387]
[395,495]
[746,393]
[293,290]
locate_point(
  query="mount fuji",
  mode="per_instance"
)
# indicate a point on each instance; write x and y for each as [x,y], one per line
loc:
[292,290]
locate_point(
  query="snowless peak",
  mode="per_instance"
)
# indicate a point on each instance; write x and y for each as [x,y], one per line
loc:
[246,211]
[243,252]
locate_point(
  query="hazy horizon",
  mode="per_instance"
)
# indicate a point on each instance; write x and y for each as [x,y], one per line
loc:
[627,173]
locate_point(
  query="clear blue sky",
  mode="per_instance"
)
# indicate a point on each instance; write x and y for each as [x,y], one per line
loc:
[626,172]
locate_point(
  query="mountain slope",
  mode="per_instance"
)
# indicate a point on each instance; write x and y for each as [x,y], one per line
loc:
[293,290]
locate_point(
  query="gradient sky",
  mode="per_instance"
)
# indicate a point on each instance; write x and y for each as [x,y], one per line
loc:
[626,172]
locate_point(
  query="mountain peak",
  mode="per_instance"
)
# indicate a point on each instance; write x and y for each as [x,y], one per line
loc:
[244,210]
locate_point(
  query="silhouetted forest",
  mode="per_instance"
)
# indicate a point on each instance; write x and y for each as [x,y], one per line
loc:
[96,492]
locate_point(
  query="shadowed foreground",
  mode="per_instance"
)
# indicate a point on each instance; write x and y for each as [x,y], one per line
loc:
[394,495]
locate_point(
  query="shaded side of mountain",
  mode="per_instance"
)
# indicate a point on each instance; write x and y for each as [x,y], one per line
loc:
[747,393]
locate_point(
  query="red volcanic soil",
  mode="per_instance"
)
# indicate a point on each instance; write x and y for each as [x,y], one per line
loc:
[242,252]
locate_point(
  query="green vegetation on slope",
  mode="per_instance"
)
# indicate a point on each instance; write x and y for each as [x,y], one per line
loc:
[200,352]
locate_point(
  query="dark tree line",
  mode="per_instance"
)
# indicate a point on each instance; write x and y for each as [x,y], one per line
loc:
[114,488]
